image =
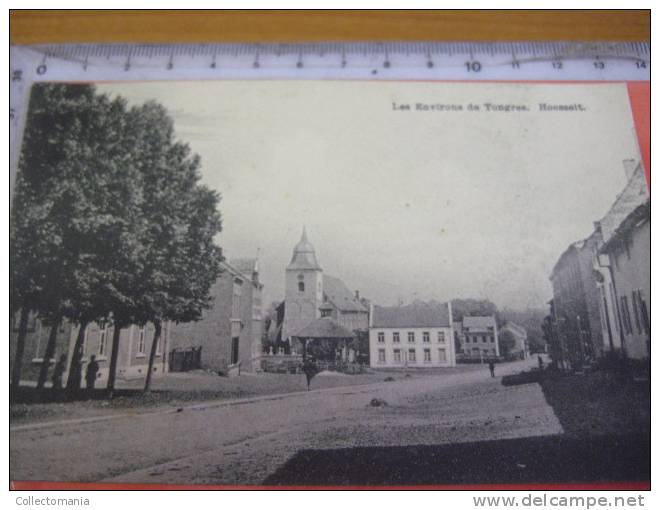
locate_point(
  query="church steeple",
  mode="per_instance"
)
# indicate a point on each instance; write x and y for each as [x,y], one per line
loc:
[304,255]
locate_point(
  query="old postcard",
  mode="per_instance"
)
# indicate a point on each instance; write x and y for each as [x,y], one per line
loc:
[331,283]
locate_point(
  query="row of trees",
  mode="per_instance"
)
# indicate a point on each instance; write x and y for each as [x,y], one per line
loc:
[109,222]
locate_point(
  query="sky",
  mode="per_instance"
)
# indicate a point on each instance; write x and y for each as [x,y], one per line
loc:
[429,203]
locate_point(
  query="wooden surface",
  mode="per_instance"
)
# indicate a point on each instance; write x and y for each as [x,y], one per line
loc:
[32,27]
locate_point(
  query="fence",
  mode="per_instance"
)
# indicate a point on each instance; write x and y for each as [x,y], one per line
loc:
[185,359]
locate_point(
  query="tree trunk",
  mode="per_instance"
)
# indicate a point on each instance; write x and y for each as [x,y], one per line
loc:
[50,351]
[73,380]
[112,371]
[20,349]
[152,355]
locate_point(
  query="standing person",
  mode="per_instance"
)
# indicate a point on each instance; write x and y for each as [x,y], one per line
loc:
[540,362]
[77,375]
[310,369]
[491,367]
[90,374]
[58,372]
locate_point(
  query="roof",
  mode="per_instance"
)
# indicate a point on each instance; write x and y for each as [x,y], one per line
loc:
[410,316]
[245,265]
[634,194]
[325,327]
[515,329]
[304,255]
[339,295]
[226,266]
[479,322]
[636,217]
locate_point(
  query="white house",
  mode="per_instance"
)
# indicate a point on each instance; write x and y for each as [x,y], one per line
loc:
[519,335]
[479,337]
[415,335]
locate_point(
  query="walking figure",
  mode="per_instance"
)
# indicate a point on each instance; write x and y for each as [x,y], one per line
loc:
[58,372]
[310,369]
[90,374]
[491,367]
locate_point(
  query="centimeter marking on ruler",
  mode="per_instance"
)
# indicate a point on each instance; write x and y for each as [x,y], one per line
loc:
[418,61]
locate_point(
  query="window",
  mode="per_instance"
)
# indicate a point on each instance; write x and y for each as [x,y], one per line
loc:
[441,337]
[635,306]
[426,337]
[427,355]
[159,343]
[301,286]
[492,339]
[141,335]
[83,349]
[381,338]
[643,311]
[625,312]
[484,339]
[395,337]
[236,300]
[397,355]
[412,358]
[103,336]
[381,355]
[615,322]
[467,339]
[442,355]
[411,337]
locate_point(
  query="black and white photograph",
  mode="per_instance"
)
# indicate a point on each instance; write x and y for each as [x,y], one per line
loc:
[330,284]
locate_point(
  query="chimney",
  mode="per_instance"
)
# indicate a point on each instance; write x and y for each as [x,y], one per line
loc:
[629,166]
[357,295]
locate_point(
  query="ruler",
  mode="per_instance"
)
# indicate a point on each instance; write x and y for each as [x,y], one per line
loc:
[423,61]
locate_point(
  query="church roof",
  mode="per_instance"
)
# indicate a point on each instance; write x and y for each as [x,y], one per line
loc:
[339,295]
[304,255]
[325,327]
[410,316]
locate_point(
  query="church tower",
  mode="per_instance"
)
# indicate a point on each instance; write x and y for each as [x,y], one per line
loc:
[303,288]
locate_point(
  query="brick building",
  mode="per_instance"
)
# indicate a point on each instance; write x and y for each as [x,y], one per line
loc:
[132,360]
[229,334]
[576,301]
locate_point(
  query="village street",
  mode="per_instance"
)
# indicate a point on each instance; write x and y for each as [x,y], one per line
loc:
[244,442]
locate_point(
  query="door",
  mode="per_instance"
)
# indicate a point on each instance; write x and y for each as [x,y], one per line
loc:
[234,350]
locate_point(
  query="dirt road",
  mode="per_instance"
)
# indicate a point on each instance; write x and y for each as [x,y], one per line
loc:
[244,442]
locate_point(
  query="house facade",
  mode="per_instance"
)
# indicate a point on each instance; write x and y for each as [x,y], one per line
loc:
[132,359]
[415,335]
[625,265]
[227,333]
[601,285]
[478,337]
[519,335]
[577,300]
